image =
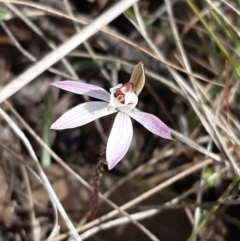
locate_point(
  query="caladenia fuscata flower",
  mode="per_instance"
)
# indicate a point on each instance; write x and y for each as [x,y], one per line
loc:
[122,100]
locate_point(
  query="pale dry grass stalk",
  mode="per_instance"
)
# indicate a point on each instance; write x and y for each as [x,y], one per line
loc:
[108,32]
[43,176]
[51,44]
[86,43]
[127,205]
[56,55]
[79,178]
[55,228]
[211,117]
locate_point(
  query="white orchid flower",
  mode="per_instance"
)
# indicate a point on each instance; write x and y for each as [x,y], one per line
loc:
[122,99]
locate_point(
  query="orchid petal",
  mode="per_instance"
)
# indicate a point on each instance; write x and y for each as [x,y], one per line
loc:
[119,139]
[138,77]
[81,115]
[151,122]
[83,89]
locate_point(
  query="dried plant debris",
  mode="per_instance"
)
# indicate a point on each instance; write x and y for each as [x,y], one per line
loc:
[182,188]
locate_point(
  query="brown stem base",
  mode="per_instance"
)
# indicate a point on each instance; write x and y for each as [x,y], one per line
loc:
[96,183]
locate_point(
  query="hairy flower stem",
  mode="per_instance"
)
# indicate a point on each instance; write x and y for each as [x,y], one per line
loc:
[96,183]
[96,180]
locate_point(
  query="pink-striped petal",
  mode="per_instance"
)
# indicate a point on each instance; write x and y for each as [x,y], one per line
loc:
[119,139]
[81,115]
[151,122]
[83,89]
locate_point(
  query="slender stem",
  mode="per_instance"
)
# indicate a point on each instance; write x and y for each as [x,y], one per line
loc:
[96,179]
[96,184]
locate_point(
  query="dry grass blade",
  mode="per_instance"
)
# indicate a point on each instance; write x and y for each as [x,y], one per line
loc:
[34,223]
[40,33]
[215,7]
[145,195]
[175,179]
[80,179]
[20,159]
[186,88]
[152,191]
[194,83]
[150,212]
[44,178]
[17,44]
[109,32]
[86,44]
[117,222]
[52,70]
[231,6]
[53,57]
[26,53]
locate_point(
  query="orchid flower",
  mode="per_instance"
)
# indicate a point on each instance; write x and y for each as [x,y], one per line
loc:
[122,100]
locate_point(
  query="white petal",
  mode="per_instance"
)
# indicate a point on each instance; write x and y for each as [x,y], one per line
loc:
[81,115]
[113,89]
[83,89]
[119,139]
[138,77]
[151,122]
